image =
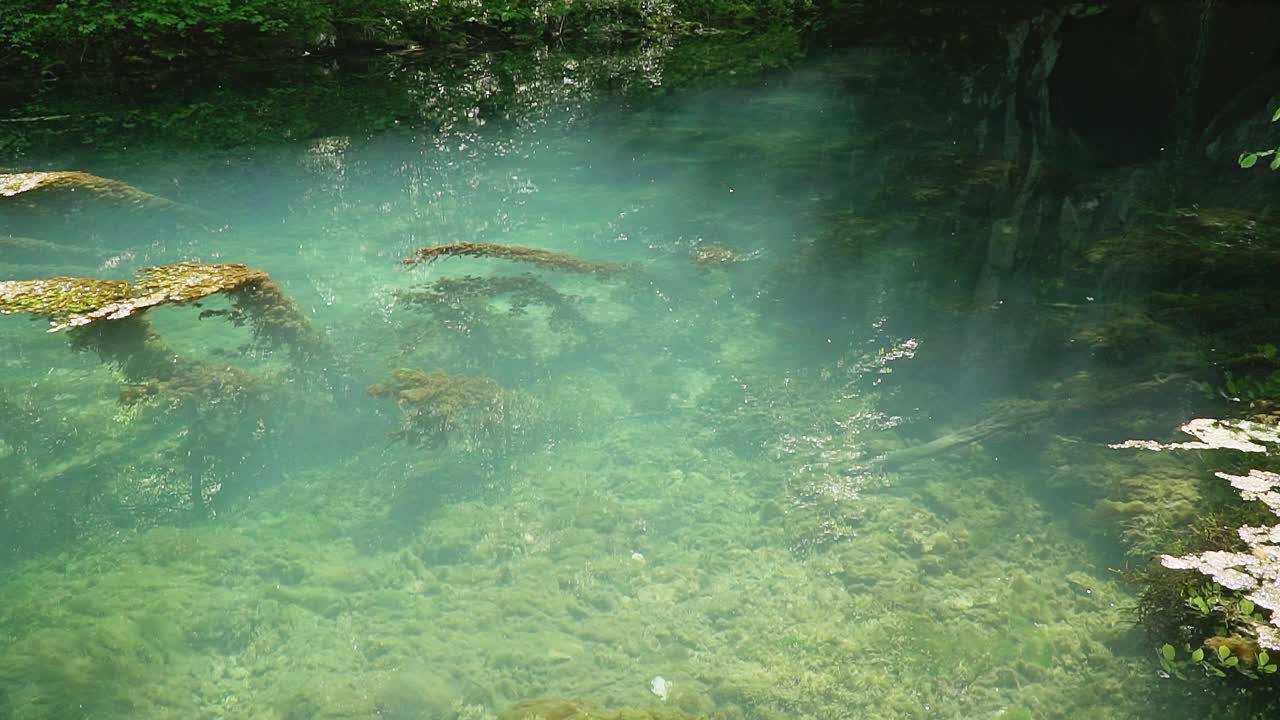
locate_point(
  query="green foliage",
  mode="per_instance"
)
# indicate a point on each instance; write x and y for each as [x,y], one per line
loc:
[737,13]
[112,30]
[1249,159]
[1215,662]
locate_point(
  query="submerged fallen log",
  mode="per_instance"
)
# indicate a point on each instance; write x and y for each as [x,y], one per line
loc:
[964,436]
[1024,415]
[31,250]
[515,253]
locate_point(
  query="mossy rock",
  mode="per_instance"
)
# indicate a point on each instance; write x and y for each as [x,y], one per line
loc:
[1193,242]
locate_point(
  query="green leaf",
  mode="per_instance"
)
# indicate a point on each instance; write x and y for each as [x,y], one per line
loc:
[1263,658]
[1248,160]
[1275,161]
[1167,652]
[1215,671]
[1197,655]
[1231,661]
[1276,117]
[1224,652]
[1269,668]
[1246,606]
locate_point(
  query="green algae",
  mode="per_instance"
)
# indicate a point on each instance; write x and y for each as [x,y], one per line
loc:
[61,297]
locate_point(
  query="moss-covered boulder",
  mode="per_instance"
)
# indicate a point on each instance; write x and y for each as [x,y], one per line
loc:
[1190,243]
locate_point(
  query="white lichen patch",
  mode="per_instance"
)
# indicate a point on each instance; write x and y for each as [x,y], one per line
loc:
[1256,572]
[1210,434]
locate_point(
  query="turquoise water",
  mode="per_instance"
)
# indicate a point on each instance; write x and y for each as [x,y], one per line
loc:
[694,470]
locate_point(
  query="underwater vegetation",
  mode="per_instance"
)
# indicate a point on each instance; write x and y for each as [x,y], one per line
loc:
[534,256]
[76,302]
[31,189]
[463,303]
[94,310]
[439,407]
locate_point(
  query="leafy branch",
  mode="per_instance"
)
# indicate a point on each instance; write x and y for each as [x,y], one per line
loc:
[1249,159]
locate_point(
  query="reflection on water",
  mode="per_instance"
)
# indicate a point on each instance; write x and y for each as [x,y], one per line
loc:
[831,446]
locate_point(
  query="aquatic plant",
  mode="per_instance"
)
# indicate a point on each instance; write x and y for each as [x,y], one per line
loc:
[439,406]
[276,320]
[30,188]
[86,304]
[515,253]
[132,345]
[76,302]
[462,302]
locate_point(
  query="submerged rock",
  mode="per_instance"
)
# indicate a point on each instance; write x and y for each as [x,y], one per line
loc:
[708,254]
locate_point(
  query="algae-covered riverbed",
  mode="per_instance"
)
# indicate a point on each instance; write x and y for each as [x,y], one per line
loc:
[782,414]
